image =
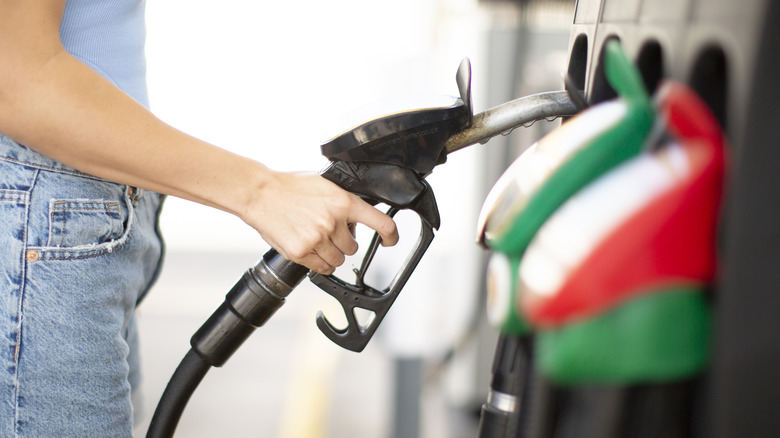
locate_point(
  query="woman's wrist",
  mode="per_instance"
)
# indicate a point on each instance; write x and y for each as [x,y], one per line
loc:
[252,192]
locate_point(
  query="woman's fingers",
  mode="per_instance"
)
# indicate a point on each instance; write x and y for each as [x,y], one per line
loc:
[376,220]
[343,239]
[314,262]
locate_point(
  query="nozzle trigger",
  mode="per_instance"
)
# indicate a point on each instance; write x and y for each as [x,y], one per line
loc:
[362,296]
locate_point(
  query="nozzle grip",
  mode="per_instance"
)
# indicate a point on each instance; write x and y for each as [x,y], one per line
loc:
[355,336]
[259,293]
[402,189]
[376,182]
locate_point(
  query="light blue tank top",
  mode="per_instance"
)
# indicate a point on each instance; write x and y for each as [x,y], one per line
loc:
[109,36]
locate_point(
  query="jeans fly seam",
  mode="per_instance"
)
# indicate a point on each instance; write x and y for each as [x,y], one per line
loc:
[20,303]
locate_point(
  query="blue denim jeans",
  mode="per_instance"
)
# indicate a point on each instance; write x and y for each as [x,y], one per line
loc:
[77,255]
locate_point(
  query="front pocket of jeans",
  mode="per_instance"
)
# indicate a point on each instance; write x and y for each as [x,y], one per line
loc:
[83,223]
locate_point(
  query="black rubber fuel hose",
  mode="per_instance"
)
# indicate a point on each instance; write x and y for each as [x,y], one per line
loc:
[259,293]
[187,377]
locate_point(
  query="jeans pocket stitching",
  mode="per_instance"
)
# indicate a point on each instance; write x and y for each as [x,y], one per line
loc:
[13,195]
[91,250]
[60,210]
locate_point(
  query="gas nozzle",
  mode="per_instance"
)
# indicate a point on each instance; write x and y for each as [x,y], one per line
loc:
[385,160]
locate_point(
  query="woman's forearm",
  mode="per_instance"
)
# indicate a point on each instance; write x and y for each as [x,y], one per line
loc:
[70,113]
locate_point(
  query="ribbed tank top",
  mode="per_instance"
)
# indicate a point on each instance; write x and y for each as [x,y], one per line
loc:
[109,36]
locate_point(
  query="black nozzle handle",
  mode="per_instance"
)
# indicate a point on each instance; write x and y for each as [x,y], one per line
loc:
[259,293]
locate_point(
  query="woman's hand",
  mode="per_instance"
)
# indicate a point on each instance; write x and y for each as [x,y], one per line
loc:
[307,219]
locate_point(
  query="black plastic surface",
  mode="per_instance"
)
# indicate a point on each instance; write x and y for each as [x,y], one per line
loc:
[413,139]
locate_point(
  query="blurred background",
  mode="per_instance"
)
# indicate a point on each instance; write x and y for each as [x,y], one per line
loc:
[270,80]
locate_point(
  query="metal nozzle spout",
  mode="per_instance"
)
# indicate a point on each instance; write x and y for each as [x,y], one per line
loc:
[510,115]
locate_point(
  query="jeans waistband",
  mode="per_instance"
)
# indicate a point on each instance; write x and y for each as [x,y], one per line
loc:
[18,153]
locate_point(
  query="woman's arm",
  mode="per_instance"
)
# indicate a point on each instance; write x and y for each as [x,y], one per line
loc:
[58,106]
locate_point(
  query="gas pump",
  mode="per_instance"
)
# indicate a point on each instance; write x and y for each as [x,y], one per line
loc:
[603,237]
